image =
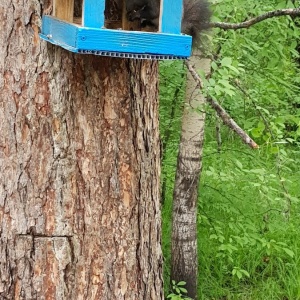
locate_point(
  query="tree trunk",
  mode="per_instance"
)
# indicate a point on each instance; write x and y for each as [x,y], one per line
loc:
[79,163]
[184,223]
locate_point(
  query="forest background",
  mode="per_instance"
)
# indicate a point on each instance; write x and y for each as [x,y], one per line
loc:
[248,204]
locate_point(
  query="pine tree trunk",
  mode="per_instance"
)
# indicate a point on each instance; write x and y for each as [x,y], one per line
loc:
[184,215]
[79,163]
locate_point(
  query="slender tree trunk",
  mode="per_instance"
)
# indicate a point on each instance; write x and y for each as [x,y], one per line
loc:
[79,163]
[184,223]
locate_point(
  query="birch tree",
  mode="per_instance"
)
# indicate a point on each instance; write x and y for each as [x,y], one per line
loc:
[184,213]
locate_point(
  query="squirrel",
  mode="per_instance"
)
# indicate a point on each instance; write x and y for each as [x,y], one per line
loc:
[195,19]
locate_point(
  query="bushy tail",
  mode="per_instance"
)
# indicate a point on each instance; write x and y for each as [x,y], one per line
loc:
[196,16]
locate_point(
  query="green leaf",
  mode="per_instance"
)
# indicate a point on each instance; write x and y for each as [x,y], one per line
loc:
[214,66]
[239,274]
[226,61]
[239,164]
[245,272]
[183,290]
[213,236]
[289,252]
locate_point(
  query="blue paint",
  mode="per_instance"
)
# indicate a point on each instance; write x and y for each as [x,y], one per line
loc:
[59,32]
[134,42]
[95,39]
[170,19]
[93,13]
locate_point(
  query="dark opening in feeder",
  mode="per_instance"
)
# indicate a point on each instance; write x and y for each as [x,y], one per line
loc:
[100,27]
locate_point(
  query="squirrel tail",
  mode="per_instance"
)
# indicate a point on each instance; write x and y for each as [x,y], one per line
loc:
[196,16]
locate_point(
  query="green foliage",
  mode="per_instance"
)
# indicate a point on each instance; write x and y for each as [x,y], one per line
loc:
[256,74]
[248,220]
[178,291]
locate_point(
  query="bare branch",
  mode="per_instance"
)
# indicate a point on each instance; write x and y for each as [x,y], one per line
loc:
[227,120]
[271,14]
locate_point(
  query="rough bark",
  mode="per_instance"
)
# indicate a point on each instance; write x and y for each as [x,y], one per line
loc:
[184,223]
[79,169]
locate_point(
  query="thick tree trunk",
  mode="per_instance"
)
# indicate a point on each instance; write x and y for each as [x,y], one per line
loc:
[184,222]
[79,163]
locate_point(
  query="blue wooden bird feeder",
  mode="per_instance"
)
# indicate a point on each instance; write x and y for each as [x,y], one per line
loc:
[90,32]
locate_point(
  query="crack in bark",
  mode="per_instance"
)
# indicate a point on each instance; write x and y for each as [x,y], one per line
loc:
[69,270]
[44,236]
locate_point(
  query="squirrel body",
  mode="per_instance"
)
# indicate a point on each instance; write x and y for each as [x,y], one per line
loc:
[196,14]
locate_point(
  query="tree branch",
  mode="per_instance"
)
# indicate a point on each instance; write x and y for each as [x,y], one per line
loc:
[227,120]
[247,24]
